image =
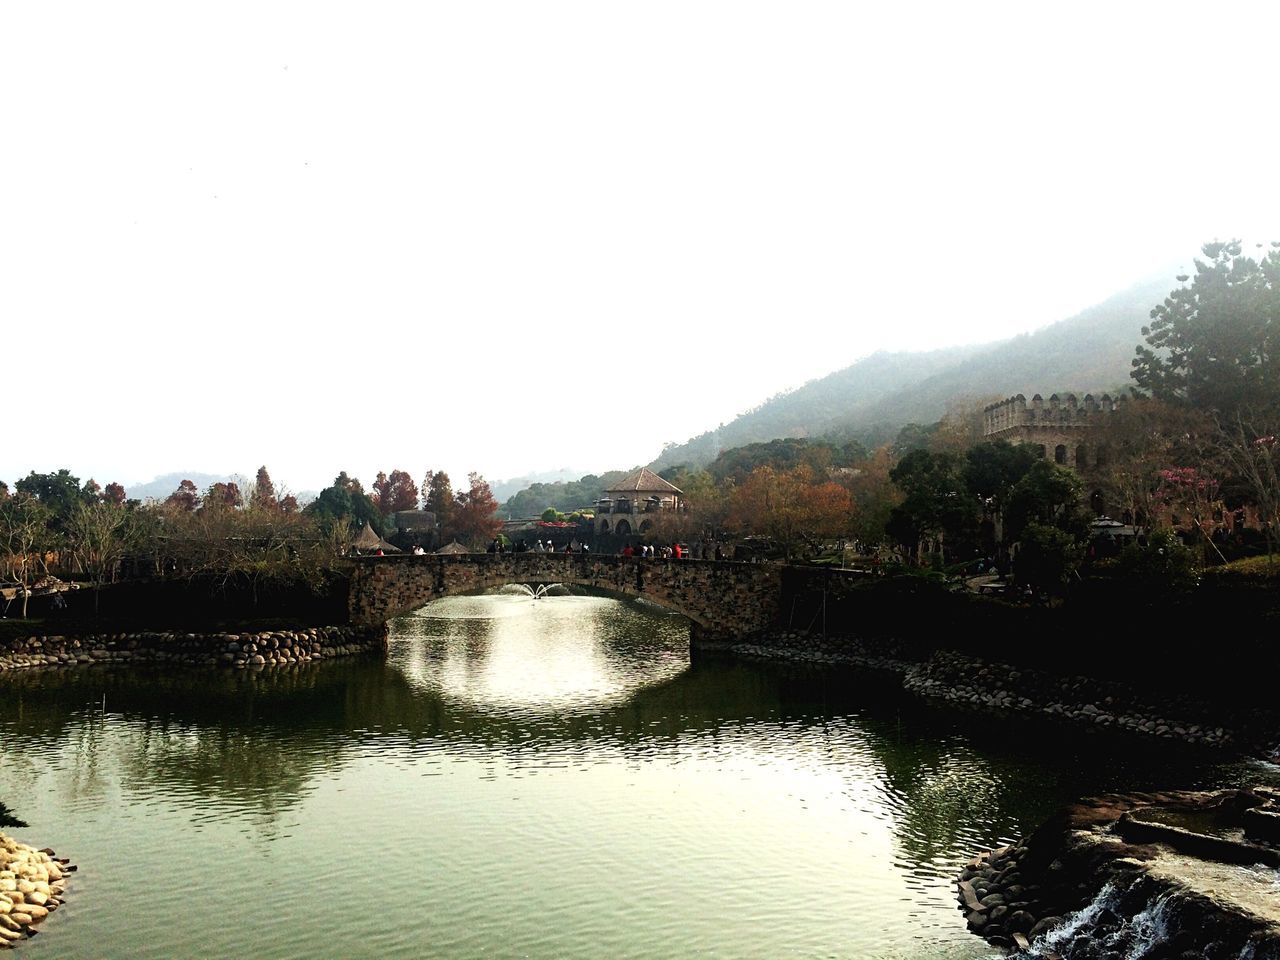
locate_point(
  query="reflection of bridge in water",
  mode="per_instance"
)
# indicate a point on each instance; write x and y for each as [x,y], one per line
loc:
[723,599]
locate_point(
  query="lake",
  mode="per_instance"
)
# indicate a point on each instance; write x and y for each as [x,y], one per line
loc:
[549,778]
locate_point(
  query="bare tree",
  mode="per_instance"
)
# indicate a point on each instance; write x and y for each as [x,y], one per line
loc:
[101,534]
[1251,448]
[24,527]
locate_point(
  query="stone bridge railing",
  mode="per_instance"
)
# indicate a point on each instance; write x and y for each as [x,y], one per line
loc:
[724,600]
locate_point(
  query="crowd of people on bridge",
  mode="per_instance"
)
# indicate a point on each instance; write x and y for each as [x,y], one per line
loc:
[499,546]
[671,551]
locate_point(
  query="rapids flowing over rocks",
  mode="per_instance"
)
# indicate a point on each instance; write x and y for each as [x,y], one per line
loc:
[1136,877]
[33,885]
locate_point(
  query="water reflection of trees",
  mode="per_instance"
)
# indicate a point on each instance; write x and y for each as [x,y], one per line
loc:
[261,740]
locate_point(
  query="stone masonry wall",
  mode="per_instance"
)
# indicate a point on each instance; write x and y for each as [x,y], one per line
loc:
[723,599]
[267,648]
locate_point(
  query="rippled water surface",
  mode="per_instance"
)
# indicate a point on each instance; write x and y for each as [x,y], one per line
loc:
[526,778]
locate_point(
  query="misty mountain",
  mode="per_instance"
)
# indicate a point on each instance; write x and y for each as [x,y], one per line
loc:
[161,487]
[1089,352]
[822,406]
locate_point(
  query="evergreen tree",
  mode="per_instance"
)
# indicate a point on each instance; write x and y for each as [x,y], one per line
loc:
[439,500]
[1215,344]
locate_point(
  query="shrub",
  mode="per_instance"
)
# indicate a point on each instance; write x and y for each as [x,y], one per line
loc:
[1251,569]
[1047,556]
[1164,564]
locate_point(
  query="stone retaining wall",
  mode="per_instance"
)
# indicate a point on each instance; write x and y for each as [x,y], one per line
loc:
[972,683]
[263,648]
[968,681]
[801,646]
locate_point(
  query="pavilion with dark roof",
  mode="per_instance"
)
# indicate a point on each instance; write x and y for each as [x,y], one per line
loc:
[629,505]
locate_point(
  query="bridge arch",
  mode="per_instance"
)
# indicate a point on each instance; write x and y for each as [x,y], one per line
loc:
[722,600]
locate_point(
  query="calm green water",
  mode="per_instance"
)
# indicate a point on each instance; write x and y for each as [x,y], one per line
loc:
[523,778]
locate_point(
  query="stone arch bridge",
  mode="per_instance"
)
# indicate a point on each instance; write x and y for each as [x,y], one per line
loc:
[724,600]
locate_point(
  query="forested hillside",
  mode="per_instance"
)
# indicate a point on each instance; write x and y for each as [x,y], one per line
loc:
[820,406]
[872,398]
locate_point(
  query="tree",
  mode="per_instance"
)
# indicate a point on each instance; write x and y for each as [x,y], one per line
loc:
[100,534]
[991,471]
[59,492]
[439,500]
[256,548]
[1251,448]
[114,494]
[705,505]
[876,496]
[1162,565]
[24,532]
[475,515]
[936,505]
[350,484]
[789,507]
[263,494]
[1047,557]
[1215,344]
[394,493]
[343,504]
[785,454]
[1051,496]
[184,499]
[223,496]
[961,427]
[1193,492]
[912,437]
[1136,441]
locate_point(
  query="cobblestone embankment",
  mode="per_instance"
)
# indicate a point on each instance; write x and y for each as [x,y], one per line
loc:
[257,649]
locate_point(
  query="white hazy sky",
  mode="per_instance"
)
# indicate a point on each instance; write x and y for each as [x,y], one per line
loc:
[518,236]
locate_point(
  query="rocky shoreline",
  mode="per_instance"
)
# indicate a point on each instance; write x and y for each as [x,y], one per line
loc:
[803,647]
[33,885]
[271,648]
[1161,876]
[971,683]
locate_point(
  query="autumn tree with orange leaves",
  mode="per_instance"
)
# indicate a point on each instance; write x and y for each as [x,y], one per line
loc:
[185,499]
[474,520]
[790,507]
[394,493]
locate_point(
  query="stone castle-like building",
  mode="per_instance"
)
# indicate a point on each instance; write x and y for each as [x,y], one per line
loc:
[1062,427]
